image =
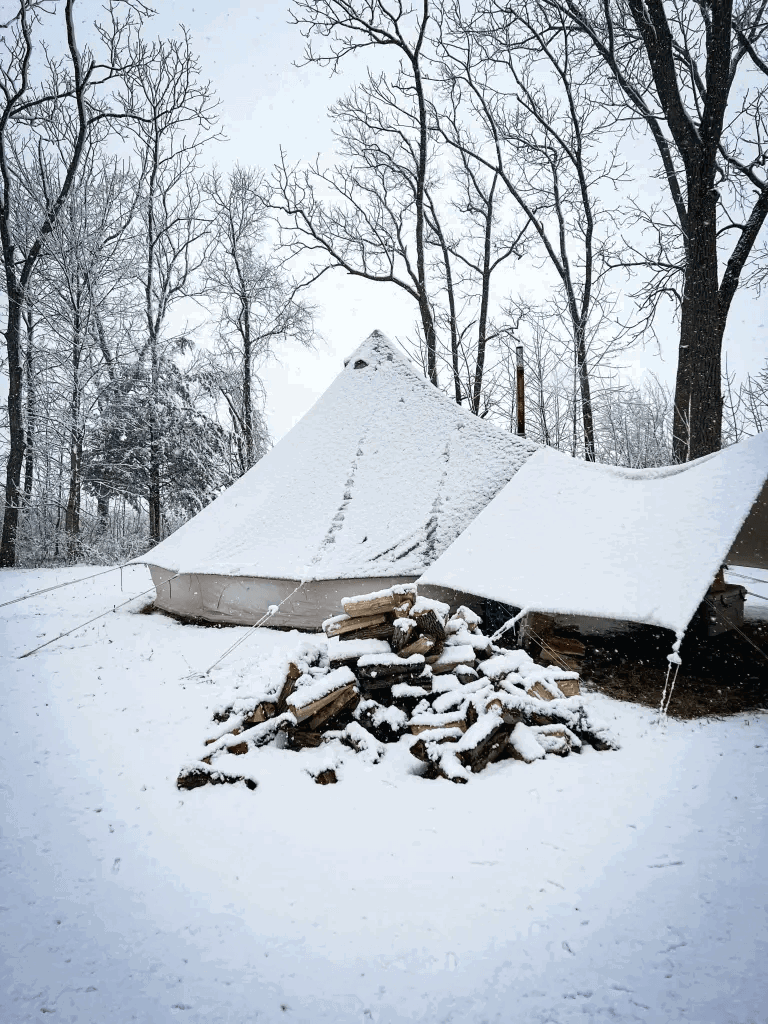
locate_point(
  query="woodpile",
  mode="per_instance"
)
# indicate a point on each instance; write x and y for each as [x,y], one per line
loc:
[399,665]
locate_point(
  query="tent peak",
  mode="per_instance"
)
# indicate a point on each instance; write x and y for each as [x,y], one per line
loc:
[376,349]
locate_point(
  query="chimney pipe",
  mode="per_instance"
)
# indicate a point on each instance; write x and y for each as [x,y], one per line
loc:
[520,392]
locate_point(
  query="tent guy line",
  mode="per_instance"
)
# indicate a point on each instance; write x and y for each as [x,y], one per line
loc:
[272,610]
[734,626]
[67,583]
[94,619]
[743,576]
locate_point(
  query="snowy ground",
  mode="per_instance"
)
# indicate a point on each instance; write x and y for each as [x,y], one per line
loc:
[628,886]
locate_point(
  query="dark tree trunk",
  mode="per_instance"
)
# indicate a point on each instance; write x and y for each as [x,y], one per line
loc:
[586,395]
[698,392]
[16,428]
[155,453]
[430,336]
[29,444]
[102,510]
[72,518]
[482,326]
[247,388]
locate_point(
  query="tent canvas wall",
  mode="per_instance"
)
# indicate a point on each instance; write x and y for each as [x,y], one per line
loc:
[373,484]
[574,538]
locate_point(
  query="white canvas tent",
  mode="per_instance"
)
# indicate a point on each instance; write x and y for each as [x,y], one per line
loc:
[373,484]
[578,539]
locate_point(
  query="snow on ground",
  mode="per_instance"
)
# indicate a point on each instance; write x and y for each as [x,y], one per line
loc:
[616,886]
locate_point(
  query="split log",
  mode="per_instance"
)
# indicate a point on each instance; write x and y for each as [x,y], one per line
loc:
[539,690]
[403,632]
[353,628]
[429,624]
[298,739]
[378,670]
[346,701]
[436,651]
[264,710]
[379,602]
[402,611]
[238,748]
[451,658]
[346,652]
[431,722]
[569,687]
[289,685]
[382,631]
[484,742]
[308,701]
[423,645]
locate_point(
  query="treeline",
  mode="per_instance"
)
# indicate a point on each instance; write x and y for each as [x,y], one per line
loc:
[479,142]
[617,147]
[113,235]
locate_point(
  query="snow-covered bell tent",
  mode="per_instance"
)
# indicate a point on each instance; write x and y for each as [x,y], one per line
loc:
[367,490]
[593,545]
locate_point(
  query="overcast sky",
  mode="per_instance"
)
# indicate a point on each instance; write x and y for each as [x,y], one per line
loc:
[248,51]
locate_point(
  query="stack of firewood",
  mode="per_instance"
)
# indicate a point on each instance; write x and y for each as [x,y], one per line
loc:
[397,664]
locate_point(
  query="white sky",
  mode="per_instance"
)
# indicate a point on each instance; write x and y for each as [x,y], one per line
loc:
[247,49]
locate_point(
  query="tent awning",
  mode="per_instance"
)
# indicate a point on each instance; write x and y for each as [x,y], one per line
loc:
[571,537]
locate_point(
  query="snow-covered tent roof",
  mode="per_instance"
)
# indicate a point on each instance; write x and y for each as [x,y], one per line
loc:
[376,480]
[570,537]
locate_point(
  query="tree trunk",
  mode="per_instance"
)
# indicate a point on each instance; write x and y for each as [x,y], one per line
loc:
[102,510]
[454,323]
[430,337]
[29,444]
[72,518]
[477,389]
[586,396]
[154,497]
[16,428]
[247,385]
[698,390]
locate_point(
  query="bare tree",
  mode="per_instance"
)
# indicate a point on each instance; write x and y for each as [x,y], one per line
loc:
[26,108]
[545,139]
[378,227]
[259,303]
[634,424]
[694,75]
[84,262]
[173,116]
